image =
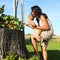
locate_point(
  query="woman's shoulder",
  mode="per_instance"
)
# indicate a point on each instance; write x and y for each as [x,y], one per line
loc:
[44,15]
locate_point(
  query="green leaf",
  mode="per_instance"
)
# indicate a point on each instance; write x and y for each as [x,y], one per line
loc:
[5,17]
[11,17]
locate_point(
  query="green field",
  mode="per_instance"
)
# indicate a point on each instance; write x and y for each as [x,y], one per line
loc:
[53,48]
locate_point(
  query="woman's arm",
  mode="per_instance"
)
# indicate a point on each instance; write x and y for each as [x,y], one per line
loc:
[45,25]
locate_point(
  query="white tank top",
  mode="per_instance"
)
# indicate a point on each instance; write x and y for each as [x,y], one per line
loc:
[49,22]
[46,35]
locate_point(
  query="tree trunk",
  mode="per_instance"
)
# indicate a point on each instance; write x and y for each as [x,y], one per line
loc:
[12,40]
[15,6]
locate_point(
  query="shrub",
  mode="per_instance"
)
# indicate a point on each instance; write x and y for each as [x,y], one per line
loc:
[8,21]
[11,56]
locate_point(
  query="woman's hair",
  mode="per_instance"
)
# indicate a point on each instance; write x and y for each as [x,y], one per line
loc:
[37,10]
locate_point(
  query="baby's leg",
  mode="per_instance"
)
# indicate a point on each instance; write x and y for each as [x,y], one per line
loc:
[40,38]
[36,34]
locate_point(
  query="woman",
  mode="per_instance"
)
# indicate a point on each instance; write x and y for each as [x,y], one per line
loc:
[44,26]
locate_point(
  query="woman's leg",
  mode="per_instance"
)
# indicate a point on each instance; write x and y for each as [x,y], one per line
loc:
[34,43]
[44,51]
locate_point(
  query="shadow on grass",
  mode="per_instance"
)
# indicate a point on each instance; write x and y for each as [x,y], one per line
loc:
[52,54]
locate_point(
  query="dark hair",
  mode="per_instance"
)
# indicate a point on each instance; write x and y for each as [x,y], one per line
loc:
[37,10]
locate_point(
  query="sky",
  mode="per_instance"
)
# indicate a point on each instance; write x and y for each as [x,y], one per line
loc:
[50,7]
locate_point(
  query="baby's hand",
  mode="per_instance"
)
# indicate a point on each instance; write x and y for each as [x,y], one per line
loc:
[33,24]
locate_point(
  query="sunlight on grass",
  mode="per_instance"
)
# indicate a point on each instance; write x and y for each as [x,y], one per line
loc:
[53,48]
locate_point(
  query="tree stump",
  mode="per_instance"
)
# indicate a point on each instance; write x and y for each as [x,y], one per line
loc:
[12,40]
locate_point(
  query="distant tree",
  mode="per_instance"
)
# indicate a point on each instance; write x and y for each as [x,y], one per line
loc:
[15,6]
[2,9]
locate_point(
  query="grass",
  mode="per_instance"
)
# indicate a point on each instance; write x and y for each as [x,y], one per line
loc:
[53,49]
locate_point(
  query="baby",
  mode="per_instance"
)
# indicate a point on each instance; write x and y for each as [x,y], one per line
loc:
[37,32]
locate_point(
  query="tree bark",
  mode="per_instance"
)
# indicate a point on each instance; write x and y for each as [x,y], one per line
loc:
[12,40]
[15,6]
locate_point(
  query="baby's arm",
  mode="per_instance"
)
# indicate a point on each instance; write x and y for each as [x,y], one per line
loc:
[30,21]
